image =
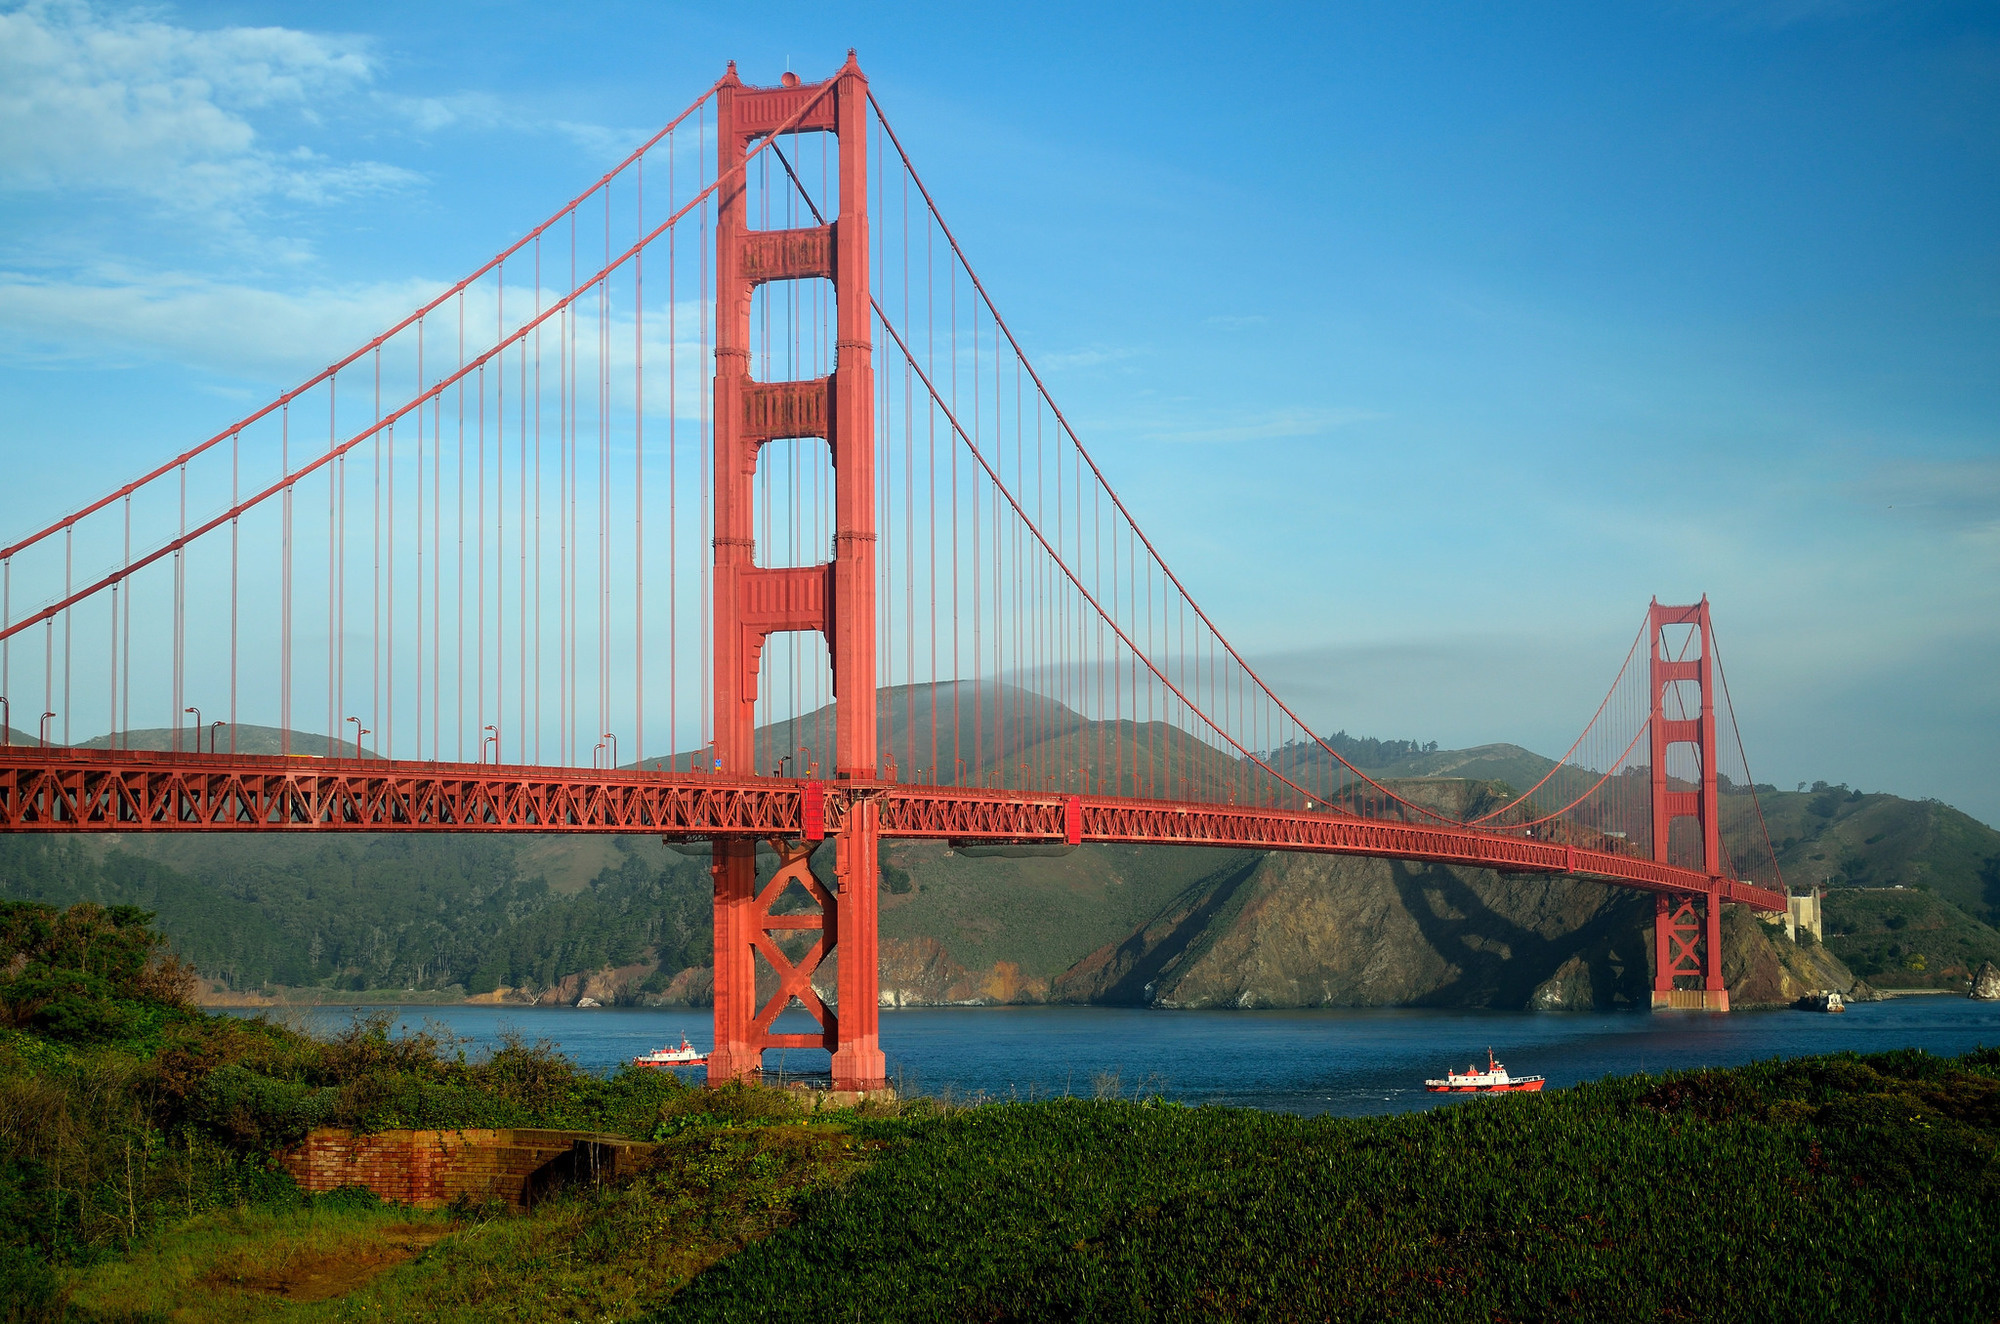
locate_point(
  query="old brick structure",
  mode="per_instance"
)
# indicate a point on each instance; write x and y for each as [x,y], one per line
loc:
[432,1168]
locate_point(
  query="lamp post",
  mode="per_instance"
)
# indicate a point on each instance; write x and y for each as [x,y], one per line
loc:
[610,741]
[212,734]
[44,733]
[197,727]
[493,740]
[359,731]
[6,718]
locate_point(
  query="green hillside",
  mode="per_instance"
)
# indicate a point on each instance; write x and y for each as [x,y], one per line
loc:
[358,912]
[1907,938]
[1831,836]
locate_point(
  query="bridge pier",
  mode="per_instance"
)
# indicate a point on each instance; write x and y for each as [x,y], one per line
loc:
[1687,944]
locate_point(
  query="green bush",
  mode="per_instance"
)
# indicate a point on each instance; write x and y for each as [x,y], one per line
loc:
[1857,1187]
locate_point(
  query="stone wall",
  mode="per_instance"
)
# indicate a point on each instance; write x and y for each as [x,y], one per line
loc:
[428,1169]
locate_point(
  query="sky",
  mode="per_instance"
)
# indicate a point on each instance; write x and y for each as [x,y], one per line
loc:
[1429,342]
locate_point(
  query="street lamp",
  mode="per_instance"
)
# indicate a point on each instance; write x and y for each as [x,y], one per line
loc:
[6,729]
[46,719]
[609,739]
[197,727]
[493,740]
[212,733]
[359,731]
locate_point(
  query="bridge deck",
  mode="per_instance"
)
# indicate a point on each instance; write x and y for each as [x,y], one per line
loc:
[72,790]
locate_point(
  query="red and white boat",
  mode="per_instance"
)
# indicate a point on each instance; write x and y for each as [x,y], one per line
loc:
[687,1055]
[1493,1080]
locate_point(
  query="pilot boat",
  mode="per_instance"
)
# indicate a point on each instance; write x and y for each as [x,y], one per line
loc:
[686,1055]
[1493,1080]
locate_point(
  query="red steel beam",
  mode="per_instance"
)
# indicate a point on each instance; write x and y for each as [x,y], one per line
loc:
[66,790]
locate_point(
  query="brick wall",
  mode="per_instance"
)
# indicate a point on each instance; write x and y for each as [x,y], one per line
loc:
[432,1168]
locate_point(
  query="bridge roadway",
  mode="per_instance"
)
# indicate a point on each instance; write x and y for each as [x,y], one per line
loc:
[89,790]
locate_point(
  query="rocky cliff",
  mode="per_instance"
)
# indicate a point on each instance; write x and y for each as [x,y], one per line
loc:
[1326,931]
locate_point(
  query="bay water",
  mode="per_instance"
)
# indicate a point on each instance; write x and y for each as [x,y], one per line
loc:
[1346,1062]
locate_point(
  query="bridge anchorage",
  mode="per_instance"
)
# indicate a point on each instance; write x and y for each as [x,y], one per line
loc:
[918,574]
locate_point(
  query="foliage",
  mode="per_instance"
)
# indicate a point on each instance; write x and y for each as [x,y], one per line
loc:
[1906,938]
[1833,1187]
[383,911]
[1835,837]
[1362,751]
[86,975]
[122,1109]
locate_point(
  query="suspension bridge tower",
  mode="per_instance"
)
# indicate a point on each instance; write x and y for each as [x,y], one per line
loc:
[837,598]
[1687,930]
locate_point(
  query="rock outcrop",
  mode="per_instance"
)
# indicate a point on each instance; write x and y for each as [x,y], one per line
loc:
[1764,968]
[1986,983]
[1330,931]
[1568,989]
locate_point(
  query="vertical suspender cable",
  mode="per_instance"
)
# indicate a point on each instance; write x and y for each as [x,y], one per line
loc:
[235,549]
[639,476]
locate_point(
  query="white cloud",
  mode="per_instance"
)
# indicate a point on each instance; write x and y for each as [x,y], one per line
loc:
[483,112]
[233,329]
[1093,357]
[125,103]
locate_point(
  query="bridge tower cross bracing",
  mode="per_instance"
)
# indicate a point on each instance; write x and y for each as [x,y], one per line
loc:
[836,598]
[1687,932]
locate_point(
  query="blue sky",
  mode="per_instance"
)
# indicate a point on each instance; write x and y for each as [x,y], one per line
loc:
[1429,341]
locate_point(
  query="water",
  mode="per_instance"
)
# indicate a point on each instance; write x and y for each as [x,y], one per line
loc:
[1347,1062]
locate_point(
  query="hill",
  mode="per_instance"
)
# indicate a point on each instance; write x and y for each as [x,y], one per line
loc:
[1907,937]
[241,737]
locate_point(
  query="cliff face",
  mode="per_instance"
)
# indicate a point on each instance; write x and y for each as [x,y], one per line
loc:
[1328,931]
[1764,968]
[1320,931]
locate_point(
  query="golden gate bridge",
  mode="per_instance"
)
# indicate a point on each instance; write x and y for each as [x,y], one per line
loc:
[638,485]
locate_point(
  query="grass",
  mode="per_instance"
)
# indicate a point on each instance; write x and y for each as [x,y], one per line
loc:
[607,1254]
[255,1262]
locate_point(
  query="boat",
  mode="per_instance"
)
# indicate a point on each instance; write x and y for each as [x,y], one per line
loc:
[1827,1001]
[1493,1080]
[686,1055]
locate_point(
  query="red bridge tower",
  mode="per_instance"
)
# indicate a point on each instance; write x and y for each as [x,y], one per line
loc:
[1687,934]
[837,598]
